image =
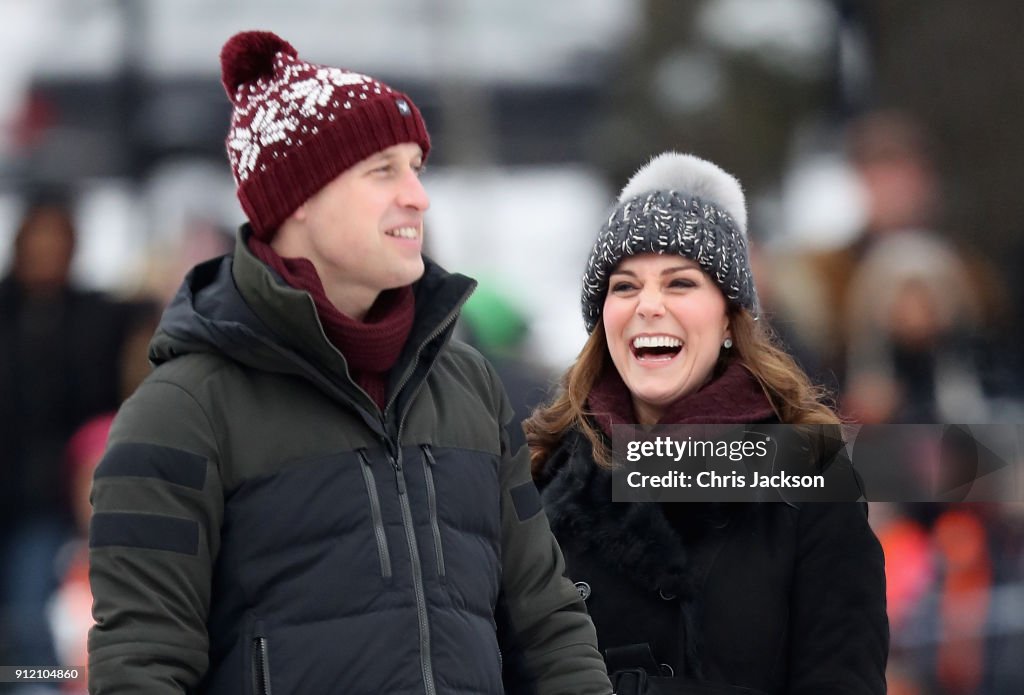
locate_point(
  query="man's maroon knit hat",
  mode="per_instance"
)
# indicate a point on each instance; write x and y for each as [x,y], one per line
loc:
[296,126]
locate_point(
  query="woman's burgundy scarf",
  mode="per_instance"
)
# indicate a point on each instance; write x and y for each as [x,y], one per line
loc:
[734,397]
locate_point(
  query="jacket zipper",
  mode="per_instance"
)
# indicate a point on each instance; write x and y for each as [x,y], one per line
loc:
[375,514]
[260,667]
[426,663]
[448,321]
[428,474]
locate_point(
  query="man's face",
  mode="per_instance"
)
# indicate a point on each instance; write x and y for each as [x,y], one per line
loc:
[363,231]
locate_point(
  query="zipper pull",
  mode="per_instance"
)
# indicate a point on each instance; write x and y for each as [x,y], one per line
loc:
[399,475]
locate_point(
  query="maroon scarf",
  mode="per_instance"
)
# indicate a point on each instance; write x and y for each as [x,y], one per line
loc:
[734,397]
[371,346]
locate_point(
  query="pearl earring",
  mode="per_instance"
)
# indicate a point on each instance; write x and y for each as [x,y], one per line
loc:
[727,343]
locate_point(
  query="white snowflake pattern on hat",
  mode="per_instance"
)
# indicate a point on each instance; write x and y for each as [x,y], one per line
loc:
[282,99]
[342,78]
[264,129]
[313,93]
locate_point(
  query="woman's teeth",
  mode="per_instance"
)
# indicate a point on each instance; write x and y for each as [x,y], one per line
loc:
[654,341]
[657,348]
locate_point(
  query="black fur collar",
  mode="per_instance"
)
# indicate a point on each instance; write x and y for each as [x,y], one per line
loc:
[636,537]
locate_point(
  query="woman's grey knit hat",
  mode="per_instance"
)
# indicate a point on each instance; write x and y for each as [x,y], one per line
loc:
[676,204]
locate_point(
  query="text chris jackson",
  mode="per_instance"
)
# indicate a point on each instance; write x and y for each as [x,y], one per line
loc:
[711,479]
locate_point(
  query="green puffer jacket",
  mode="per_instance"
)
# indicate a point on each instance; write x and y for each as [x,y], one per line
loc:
[261,526]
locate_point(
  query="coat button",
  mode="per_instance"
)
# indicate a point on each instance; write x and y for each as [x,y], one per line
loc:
[583,589]
[666,597]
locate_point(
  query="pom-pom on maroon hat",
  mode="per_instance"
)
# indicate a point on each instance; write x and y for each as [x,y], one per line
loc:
[296,126]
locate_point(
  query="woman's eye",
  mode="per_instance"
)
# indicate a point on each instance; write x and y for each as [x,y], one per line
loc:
[682,282]
[621,287]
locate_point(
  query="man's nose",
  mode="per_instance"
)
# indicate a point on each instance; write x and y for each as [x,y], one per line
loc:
[412,193]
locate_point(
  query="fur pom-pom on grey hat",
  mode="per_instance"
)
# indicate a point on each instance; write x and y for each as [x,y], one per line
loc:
[676,204]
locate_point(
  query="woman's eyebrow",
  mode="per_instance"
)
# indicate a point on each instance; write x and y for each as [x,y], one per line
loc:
[678,268]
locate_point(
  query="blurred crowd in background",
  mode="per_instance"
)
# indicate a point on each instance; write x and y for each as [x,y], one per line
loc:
[880,147]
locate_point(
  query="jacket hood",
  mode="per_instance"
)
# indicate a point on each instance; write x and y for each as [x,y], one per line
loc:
[209,314]
[237,307]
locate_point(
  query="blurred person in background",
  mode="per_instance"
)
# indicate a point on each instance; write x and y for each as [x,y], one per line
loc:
[913,324]
[891,157]
[910,575]
[200,239]
[699,598]
[314,491]
[60,360]
[69,609]
[944,597]
[953,577]
[965,596]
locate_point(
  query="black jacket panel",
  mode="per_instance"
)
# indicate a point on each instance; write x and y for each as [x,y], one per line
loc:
[761,597]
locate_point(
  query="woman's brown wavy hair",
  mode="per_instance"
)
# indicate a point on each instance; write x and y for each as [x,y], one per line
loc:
[793,397]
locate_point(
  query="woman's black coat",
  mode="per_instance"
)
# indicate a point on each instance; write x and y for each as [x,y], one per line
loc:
[762,597]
